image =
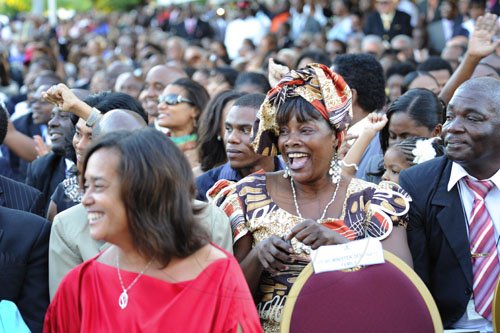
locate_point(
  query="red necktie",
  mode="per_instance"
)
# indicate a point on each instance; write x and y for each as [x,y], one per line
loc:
[485,265]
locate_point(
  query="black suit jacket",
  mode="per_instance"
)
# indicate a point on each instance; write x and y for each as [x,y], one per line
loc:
[20,196]
[202,30]
[400,25]
[45,173]
[437,236]
[24,245]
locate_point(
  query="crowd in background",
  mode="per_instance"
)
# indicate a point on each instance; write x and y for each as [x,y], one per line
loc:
[202,75]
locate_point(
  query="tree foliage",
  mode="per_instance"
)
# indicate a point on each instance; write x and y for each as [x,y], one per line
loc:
[116,5]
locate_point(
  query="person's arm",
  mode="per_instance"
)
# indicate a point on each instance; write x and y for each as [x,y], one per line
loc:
[417,240]
[480,45]
[355,153]
[397,243]
[62,97]
[62,257]
[51,211]
[20,144]
[271,254]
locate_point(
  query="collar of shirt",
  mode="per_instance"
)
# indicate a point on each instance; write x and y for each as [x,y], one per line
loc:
[69,163]
[458,172]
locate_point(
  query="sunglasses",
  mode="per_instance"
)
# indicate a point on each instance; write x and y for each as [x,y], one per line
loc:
[173,99]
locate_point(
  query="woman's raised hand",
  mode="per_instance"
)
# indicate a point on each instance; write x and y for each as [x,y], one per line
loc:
[313,234]
[62,97]
[274,254]
[376,121]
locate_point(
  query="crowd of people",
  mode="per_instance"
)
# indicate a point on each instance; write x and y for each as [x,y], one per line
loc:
[174,166]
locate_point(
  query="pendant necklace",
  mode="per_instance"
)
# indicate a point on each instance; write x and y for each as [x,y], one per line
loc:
[123,299]
[327,205]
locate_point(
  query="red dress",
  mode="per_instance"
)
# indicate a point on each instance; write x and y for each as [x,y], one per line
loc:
[218,300]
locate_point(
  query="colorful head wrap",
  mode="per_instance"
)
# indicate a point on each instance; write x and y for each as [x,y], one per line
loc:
[325,90]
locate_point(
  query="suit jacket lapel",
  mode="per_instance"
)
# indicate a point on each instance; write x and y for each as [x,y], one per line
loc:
[452,221]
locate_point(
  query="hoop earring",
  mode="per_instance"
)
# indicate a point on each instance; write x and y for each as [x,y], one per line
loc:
[286,174]
[335,170]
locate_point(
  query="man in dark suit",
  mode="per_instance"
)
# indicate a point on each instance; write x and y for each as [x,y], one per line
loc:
[17,195]
[448,211]
[387,21]
[449,26]
[24,244]
[22,146]
[192,27]
[46,172]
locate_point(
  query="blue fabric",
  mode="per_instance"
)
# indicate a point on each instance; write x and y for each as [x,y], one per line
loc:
[10,318]
[372,150]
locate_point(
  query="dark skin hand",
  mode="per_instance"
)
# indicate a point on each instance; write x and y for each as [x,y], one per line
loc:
[274,254]
[313,234]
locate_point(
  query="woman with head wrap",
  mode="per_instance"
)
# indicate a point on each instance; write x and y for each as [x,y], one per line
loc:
[278,217]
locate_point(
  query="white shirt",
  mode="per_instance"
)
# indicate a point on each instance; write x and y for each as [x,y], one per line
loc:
[239,29]
[447,29]
[471,319]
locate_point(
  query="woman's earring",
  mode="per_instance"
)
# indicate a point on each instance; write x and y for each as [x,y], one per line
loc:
[219,138]
[335,170]
[286,174]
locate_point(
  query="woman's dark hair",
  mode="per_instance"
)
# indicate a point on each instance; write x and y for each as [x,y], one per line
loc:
[407,146]
[195,92]
[316,56]
[229,74]
[410,77]
[108,100]
[255,79]
[435,63]
[4,120]
[419,104]
[211,150]
[157,190]
[4,70]
[300,108]
[400,68]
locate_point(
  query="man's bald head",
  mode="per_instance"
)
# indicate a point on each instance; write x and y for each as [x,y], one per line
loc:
[487,87]
[118,120]
[157,79]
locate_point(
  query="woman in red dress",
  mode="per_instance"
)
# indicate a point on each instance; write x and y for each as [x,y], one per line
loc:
[160,273]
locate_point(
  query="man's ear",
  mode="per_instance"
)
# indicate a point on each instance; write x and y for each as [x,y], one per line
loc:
[354,96]
[437,130]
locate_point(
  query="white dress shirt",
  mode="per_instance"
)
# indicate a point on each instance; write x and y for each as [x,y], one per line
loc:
[471,319]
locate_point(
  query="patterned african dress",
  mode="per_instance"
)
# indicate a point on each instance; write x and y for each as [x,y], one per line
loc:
[369,210]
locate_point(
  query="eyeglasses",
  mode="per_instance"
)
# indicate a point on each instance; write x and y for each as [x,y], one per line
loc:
[173,99]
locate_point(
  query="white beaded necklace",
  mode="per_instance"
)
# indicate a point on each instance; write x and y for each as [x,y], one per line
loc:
[327,205]
[123,299]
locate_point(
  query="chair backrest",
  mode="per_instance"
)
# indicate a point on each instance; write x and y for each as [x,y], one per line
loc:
[496,308]
[388,297]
